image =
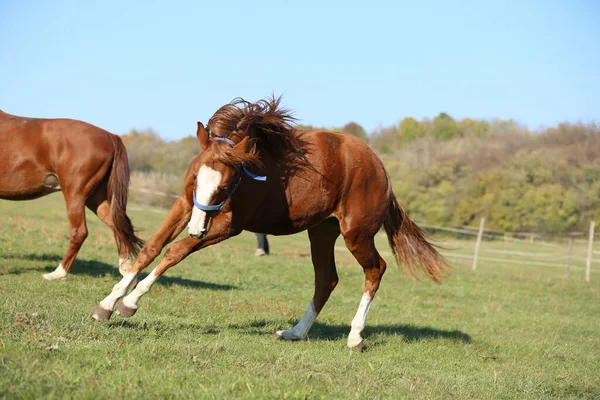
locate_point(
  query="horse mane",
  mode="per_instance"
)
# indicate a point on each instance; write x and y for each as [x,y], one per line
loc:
[227,155]
[267,124]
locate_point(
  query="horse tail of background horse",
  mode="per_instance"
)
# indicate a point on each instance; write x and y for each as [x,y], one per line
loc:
[409,244]
[118,188]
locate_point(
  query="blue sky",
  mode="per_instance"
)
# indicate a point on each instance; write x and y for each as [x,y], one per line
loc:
[165,65]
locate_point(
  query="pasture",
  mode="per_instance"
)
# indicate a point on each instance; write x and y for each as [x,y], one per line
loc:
[207,328]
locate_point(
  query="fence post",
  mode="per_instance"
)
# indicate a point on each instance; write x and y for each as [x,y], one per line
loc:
[569,255]
[479,235]
[588,264]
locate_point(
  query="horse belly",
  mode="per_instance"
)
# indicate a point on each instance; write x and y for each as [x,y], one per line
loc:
[22,175]
[33,186]
[303,213]
[283,216]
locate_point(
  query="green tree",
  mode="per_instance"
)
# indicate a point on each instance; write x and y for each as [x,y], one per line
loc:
[445,128]
[143,149]
[384,140]
[355,129]
[473,127]
[410,129]
[505,126]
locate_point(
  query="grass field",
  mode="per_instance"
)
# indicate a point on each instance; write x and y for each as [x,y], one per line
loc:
[206,329]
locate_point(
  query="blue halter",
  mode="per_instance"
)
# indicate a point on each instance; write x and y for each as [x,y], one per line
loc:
[217,207]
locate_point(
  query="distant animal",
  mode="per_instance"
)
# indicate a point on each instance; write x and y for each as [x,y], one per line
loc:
[88,164]
[257,173]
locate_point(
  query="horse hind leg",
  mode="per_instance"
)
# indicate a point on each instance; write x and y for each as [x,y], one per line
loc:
[79,232]
[363,249]
[322,241]
[98,203]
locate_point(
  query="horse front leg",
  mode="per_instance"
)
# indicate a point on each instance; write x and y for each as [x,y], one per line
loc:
[171,227]
[173,256]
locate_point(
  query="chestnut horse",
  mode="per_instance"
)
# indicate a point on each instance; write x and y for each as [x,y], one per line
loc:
[257,173]
[43,156]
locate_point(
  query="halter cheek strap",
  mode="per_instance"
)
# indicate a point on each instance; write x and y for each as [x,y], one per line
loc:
[245,171]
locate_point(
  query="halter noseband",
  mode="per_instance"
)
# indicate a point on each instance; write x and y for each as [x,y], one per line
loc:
[217,207]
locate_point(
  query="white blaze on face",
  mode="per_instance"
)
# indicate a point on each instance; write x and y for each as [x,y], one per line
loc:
[207,182]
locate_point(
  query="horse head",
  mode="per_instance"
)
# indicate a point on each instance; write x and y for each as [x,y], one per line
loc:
[216,174]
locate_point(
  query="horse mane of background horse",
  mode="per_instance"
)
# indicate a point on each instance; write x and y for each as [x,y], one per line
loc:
[327,183]
[88,164]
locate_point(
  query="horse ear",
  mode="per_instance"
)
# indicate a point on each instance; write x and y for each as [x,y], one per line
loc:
[202,136]
[243,145]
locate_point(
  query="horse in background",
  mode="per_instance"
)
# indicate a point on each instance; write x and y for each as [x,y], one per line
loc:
[88,164]
[256,172]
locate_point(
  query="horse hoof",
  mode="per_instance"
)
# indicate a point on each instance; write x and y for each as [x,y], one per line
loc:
[360,346]
[286,335]
[100,314]
[59,274]
[123,311]
[52,277]
[277,335]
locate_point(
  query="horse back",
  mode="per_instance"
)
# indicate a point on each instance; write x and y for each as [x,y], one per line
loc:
[341,157]
[46,133]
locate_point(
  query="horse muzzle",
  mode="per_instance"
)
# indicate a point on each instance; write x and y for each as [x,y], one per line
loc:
[198,235]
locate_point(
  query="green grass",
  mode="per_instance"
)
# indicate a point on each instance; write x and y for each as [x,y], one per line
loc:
[206,329]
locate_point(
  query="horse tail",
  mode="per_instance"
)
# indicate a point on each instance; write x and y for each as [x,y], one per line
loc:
[118,188]
[409,244]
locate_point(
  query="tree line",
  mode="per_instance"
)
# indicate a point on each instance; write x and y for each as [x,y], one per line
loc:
[444,171]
